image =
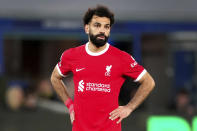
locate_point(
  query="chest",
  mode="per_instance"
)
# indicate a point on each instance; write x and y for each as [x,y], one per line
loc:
[97,67]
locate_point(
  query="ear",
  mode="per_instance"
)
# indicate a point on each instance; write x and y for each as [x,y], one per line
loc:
[86,28]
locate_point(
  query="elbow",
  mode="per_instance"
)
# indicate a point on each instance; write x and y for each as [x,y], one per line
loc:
[52,79]
[152,84]
[55,77]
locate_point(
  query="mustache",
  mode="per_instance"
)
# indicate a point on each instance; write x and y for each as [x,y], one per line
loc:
[101,35]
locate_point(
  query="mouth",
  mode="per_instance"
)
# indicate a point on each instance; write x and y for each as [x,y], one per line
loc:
[101,37]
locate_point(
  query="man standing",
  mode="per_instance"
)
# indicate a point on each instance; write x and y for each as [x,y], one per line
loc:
[99,71]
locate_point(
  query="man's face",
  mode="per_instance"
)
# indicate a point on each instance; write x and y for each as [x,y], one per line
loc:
[98,30]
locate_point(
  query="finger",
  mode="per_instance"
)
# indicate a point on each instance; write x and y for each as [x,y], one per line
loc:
[114,115]
[72,119]
[114,111]
[72,116]
[119,121]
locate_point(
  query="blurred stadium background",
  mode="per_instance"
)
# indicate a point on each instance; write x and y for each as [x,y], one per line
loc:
[161,35]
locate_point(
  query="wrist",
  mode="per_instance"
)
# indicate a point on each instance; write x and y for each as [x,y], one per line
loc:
[131,108]
[69,104]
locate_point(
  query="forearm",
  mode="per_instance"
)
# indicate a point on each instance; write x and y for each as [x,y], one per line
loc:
[60,88]
[143,91]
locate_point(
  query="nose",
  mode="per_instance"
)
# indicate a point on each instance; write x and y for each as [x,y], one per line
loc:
[102,30]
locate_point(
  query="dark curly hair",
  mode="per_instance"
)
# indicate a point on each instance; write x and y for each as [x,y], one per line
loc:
[101,11]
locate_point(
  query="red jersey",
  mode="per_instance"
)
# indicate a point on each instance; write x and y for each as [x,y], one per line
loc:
[98,78]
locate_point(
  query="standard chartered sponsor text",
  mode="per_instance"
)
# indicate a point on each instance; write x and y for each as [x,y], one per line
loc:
[98,87]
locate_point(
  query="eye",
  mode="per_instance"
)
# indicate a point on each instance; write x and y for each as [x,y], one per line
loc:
[97,25]
[107,26]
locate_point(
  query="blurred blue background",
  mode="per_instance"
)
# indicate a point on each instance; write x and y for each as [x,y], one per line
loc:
[161,35]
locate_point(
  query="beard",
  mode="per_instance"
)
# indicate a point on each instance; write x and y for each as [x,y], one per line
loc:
[98,42]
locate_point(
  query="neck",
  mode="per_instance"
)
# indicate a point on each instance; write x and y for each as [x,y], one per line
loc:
[95,49]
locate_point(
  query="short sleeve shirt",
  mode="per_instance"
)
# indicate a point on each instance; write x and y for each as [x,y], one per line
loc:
[98,78]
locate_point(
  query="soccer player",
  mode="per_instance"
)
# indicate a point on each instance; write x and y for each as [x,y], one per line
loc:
[99,71]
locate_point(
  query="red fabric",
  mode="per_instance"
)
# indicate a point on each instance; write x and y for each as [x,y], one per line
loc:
[69,104]
[97,80]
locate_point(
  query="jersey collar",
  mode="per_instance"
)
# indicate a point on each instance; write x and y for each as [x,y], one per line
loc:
[98,53]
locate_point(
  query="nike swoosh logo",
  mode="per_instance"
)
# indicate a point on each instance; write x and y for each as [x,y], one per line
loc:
[79,69]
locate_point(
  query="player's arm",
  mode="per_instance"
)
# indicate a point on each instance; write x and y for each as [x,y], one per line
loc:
[58,85]
[146,86]
[60,88]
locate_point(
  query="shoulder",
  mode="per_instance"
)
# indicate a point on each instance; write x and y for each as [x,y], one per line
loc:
[119,52]
[123,56]
[73,51]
